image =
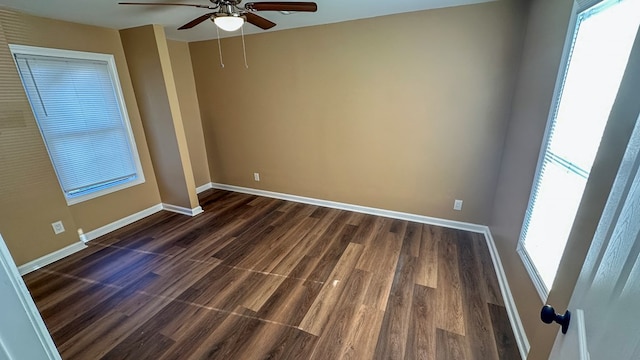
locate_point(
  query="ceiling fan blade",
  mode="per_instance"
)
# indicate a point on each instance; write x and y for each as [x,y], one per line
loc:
[259,21]
[196,21]
[281,6]
[171,4]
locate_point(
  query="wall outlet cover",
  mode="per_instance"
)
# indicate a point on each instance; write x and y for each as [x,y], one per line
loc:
[57,227]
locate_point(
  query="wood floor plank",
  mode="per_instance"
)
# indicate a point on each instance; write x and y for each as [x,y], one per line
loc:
[368,228]
[290,302]
[183,264]
[133,347]
[450,346]
[122,330]
[181,315]
[53,283]
[280,248]
[295,215]
[334,222]
[384,269]
[413,238]
[342,321]
[331,257]
[232,289]
[99,310]
[356,218]
[449,315]
[318,315]
[212,245]
[490,283]
[228,339]
[421,337]
[84,347]
[333,251]
[395,325]
[60,313]
[272,341]
[293,344]
[476,314]
[503,333]
[246,240]
[226,223]
[194,334]
[255,277]
[362,340]
[376,248]
[263,290]
[398,226]
[315,243]
[281,225]
[427,266]
[207,282]
[294,253]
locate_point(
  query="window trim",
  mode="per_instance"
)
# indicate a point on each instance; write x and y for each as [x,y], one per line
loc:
[113,73]
[572,31]
[563,68]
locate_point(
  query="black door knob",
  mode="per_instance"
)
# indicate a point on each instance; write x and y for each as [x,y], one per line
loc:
[548,315]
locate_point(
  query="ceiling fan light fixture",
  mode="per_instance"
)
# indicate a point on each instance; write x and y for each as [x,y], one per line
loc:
[229,22]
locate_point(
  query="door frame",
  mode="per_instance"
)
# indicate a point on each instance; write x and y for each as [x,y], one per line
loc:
[8,345]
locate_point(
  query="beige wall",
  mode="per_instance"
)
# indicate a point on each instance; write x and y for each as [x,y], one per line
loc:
[190,109]
[548,26]
[30,196]
[405,112]
[150,66]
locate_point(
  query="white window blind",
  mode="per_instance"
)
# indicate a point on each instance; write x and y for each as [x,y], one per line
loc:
[599,55]
[82,120]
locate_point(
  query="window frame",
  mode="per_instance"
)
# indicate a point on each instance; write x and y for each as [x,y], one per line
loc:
[572,32]
[117,88]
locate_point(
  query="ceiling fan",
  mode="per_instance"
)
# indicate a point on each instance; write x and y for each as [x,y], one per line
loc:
[228,15]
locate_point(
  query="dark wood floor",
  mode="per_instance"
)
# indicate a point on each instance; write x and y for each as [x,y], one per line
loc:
[256,278]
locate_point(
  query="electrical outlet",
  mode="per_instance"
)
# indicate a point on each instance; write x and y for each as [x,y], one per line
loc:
[457,205]
[256,176]
[57,227]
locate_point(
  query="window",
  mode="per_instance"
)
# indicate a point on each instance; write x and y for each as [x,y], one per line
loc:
[598,57]
[78,105]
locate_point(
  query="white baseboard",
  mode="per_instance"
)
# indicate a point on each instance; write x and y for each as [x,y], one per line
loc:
[88,236]
[182,210]
[203,188]
[356,208]
[510,305]
[50,258]
[122,222]
[509,302]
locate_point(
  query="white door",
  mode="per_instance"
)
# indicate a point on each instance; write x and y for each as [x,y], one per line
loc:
[605,304]
[23,334]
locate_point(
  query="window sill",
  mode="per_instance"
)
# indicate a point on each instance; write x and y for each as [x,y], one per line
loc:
[93,195]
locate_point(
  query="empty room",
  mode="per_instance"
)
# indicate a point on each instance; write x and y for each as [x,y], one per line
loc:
[221,179]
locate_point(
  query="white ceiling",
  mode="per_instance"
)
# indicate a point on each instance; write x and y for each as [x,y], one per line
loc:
[109,14]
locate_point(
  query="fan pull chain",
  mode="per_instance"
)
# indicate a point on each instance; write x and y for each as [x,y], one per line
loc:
[244,50]
[219,48]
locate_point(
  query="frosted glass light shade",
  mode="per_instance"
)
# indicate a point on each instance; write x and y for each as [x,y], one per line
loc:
[229,23]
